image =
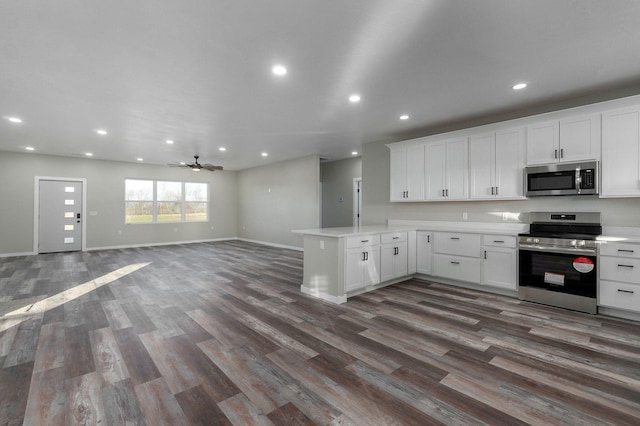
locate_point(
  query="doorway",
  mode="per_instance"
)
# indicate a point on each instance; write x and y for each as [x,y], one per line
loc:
[357,201]
[59,215]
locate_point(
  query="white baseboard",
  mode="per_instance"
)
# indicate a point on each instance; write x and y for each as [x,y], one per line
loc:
[324,296]
[27,253]
[265,243]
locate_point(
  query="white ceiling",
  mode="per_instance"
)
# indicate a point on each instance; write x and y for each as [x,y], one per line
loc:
[199,71]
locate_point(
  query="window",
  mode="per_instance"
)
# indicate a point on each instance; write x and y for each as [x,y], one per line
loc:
[149,201]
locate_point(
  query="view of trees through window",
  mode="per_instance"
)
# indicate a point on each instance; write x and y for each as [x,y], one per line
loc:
[148,201]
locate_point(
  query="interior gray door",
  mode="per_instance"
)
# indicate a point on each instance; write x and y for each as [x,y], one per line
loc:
[59,221]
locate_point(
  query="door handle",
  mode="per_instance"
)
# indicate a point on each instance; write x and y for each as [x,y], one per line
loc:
[555,153]
[455,263]
[485,255]
[561,152]
[625,266]
[625,291]
[455,238]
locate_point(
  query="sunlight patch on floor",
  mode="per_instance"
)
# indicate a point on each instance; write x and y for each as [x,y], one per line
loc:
[13,318]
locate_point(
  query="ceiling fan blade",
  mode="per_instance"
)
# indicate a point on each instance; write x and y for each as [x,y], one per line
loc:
[211,167]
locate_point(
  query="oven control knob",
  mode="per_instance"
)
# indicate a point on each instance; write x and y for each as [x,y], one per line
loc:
[529,240]
[583,243]
[536,241]
[574,243]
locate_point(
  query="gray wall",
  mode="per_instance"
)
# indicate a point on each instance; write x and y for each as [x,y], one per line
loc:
[337,182]
[377,209]
[105,195]
[279,197]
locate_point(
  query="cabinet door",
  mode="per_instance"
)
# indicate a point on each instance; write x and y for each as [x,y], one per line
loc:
[543,143]
[387,255]
[400,261]
[457,170]
[621,153]
[398,174]
[482,167]
[371,266]
[434,170]
[423,252]
[509,163]
[580,138]
[354,265]
[415,173]
[499,267]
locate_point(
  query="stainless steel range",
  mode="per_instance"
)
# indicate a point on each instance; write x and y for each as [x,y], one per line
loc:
[558,263]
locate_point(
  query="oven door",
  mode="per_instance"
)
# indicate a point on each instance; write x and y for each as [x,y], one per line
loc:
[571,273]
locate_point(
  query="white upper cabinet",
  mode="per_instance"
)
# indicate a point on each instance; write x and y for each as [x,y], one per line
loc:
[566,140]
[621,153]
[496,161]
[407,173]
[446,170]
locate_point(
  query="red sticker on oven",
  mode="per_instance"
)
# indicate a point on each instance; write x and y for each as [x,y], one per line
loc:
[583,264]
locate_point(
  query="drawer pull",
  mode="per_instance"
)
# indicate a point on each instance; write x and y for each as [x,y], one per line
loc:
[395,238]
[364,241]
[625,266]
[498,241]
[455,263]
[625,250]
[625,291]
[455,238]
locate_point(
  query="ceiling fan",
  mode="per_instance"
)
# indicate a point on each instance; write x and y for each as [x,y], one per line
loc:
[196,167]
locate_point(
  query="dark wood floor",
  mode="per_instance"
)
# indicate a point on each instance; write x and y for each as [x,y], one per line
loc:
[219,334]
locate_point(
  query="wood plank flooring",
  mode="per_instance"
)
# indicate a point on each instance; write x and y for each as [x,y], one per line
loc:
[218,333]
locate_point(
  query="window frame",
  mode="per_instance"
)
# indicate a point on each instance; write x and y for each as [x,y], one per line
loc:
[155,202]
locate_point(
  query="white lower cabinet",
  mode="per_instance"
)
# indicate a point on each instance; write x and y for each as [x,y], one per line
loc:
[499,260]
[362,267]
[457,256]
[393,256]
[619,285]
[424,242]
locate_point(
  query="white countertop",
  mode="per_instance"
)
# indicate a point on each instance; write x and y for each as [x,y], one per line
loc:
[349,231]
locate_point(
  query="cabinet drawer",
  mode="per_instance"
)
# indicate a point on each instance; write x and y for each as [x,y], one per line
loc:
[622,250]
[619,295]
[457,268]
[393,237]
[457,244]
[620,269]
[499,241]
[363,241]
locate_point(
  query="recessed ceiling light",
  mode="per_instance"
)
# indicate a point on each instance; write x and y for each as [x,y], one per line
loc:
[140,159]
[279,70]
[101,132]
[404,117]
[354,152]
[519,86]
[30,148]
[222,148]
[264,154]
[354,98]
[88,154]
[14,119]
[169,141]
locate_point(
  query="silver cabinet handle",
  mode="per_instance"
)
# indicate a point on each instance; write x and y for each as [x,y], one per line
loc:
[396,238]
[625,250]
[455,238]
[625,291]
[497,190]
[493,190]
[498,241]
[364,241]
[428,238]
[561,152]
[555,153]
[625,266]
[455,263]
[485,254]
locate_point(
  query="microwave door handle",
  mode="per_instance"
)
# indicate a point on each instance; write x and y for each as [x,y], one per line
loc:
[578,180]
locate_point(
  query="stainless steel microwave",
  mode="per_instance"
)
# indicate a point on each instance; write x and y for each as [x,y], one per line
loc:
[562,179]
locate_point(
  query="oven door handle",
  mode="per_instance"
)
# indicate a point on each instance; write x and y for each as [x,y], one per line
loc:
[549,249]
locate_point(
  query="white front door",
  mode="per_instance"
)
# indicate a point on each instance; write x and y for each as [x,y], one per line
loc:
[59,216]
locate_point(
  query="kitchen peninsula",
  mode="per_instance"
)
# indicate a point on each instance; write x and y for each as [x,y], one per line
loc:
[343,262]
